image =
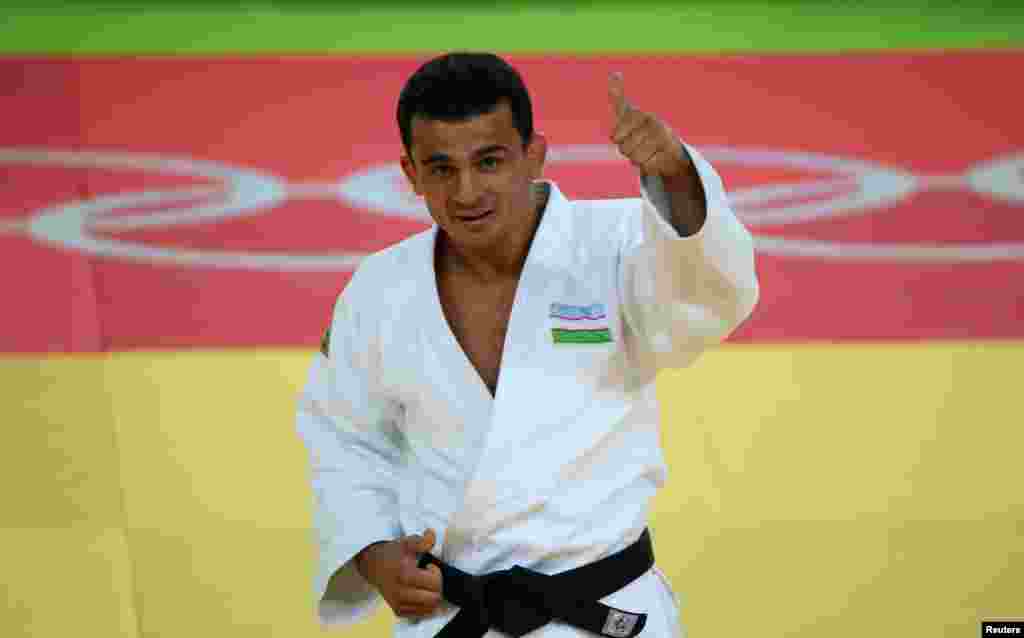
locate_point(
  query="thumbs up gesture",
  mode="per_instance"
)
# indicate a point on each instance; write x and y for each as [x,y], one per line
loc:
[645,140]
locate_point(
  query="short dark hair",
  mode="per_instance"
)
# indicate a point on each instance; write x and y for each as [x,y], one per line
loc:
[461,85]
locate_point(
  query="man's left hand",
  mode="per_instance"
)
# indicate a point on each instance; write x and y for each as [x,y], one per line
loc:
[643,138]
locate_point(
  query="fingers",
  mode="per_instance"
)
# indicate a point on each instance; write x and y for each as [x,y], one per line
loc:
[419,543]
[417,592]
[642,138]
[421,598]
[629,124]
[640,145]
[617,95]
[420,592]
[648,144]
[428,578]
[414,610]
[433,577]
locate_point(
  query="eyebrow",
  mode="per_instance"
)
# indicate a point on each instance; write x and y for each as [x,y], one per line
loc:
[441,157]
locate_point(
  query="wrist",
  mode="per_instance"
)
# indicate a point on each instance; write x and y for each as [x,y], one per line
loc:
[362,559]
[684,176]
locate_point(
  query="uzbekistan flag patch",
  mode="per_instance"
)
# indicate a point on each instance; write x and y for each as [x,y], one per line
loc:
[579,324]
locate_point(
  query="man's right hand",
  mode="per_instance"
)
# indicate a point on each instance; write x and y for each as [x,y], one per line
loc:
[391,568]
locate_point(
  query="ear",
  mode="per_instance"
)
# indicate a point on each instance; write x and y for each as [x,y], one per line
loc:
[410,173]
[537,153]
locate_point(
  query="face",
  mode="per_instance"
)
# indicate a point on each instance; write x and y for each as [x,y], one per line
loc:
[475,176]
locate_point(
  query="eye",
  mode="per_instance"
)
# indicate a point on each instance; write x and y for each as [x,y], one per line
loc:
[441,170]
[490,163]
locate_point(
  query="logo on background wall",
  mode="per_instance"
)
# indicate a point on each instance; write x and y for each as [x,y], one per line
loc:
[852,187]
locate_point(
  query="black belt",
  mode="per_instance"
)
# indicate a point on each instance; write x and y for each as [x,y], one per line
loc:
[518,600]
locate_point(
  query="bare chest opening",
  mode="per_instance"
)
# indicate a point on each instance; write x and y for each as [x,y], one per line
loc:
[478,317]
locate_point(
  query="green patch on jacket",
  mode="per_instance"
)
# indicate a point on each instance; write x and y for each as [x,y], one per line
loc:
[325,342]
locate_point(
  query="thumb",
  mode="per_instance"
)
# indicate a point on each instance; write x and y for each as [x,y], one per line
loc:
[617,94]
[419,543]
[429,538]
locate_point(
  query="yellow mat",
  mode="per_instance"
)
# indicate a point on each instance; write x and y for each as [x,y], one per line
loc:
[815,490]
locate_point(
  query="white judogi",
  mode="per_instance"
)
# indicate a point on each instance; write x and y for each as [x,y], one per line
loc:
[558,468]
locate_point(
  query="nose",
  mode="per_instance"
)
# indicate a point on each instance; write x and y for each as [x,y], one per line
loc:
[467,189]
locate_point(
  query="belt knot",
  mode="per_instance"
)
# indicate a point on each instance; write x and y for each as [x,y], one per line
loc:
[511,600]
[518,600]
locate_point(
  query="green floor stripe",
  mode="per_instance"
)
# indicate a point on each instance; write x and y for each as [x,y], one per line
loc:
[642,27]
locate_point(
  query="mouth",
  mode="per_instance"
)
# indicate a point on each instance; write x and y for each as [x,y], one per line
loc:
[475,217]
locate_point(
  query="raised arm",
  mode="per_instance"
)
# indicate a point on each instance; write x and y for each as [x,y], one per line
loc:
[687,274]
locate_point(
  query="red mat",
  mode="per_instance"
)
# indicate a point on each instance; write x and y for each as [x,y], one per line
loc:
[222,202]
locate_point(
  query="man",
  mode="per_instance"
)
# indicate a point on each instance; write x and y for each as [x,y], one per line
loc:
[484,398]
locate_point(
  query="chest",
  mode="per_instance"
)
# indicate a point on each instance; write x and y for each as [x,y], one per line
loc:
[478,317]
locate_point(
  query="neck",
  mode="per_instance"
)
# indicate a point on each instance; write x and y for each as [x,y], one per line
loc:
[505,259]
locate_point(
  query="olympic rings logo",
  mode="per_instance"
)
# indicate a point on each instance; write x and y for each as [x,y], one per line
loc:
[853,187]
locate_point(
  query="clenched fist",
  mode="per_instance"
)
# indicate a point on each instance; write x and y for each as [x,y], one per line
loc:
[653,148]
[391,568]
[642,138]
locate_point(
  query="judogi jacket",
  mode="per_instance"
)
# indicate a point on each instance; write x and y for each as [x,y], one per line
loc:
[557,469]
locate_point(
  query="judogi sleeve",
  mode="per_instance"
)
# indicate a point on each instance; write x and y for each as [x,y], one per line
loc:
[350,430]
[682,294]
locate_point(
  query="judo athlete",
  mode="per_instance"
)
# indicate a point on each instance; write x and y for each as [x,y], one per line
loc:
[481,419]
